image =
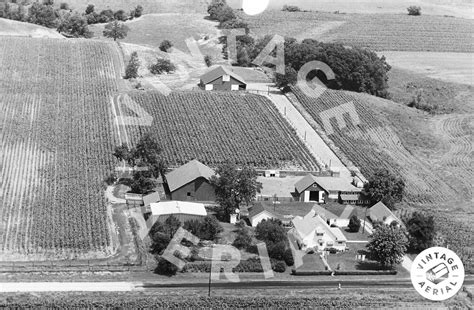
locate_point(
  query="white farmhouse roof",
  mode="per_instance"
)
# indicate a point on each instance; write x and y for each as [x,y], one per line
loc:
[313,222]
[177,207]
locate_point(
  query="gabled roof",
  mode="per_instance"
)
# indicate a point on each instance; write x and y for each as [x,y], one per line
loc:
[177,207]
[380,212]
[324,213]
[257,209]
[151,198]
[215,73]
[313,222]
[188,173]
[327,183]
[305,182]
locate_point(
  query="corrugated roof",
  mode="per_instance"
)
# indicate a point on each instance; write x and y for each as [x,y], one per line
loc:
[379,212]
[188,173]
[215,73]
[177,207]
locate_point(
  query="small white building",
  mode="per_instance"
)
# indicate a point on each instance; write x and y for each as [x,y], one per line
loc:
[258,213]
[182,210]
[381,213]
[313,232]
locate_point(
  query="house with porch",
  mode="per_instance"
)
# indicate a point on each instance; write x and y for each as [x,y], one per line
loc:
[313,232]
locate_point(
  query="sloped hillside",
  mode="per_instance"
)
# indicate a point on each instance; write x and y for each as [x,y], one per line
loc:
[15,28]
[369,142]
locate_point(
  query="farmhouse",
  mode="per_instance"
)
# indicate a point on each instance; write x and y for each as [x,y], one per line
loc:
[222,78]
[381,213]
[312,232]
[182,210]
[341,220]
[323,189]
[190,182]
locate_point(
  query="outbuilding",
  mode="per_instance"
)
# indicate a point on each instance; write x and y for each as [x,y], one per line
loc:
[323,189]
[222,78]
[182,210]
[190,182]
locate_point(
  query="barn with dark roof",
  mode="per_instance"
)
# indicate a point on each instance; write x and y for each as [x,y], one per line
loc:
[223,79]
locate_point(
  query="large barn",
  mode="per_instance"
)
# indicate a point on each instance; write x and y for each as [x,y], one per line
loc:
[323,189]
[223,79]
[190,182]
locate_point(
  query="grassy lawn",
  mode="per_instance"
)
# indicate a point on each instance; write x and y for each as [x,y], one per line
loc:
[347,260]
[355,236]
[312,262]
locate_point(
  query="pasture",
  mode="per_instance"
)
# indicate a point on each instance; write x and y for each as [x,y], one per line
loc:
[57,138]
[215,127]
[15,28]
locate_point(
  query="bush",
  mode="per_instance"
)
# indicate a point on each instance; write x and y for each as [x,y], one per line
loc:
[418,101]
[291,8]
[233,23]
[414,10]
[288,257]
[220,11]
[208,60]
[106,16]
[131,72]
[64,6]
[166,268]
[270,231]
[90,9]
[277,250]
[110,179]
[354,224]
[138,11]
[121,15]
[243,239]
[161,66]
[165,46]
[278,266]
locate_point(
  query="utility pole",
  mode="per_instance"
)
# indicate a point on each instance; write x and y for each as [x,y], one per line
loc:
[210,279]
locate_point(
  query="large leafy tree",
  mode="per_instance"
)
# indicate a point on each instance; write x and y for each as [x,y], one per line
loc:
[421,229]
[386,187]
[74,24]
[270,231]
[388,245]
[234,186]
[116,30]
[161,234]
[42,14]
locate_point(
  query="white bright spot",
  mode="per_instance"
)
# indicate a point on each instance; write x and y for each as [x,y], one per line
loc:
[254,7]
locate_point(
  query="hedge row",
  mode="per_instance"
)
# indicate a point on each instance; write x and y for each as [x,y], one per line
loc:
[343,273]
[250,265]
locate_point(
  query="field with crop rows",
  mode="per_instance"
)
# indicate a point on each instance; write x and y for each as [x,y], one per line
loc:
[373,144]
[379,32]
[215,127]
[57,139]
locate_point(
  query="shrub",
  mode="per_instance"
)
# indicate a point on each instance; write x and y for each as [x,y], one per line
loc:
[243,239]
[233,23]
[208,60]
[421,229]
[164,267]
[278,266]
[291,8]
[106,16]
[161,66]
[288,257]
[277,250]
[418,101]
[414,10]
[120,15]
[138,11]
[90,9]
[354,224]
[166,45]
[64,6]
[110,179]
[270,231]
[131,72]
[220,11]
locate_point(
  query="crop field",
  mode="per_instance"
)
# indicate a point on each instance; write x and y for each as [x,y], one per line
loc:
[215,127]
[372,144]
[379,32]
[57,140]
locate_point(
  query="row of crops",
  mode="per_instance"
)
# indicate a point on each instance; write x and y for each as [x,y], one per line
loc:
[58,139]
[379,32]
[372,144]
[215,127]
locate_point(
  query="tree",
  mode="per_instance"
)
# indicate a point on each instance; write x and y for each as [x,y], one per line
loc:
[42,14]
[387,245]
[233,187]
[210,229]
[165,268]
[131,72]
[414,10]
[161,66]
[64,6]
[120,15]
[208,60]
[138,11]
[421,230]
[386,187]
[75,25]
[243,240]
[270,231]
[214,7]
[90,9]
[142,182]
[289,78]
[166,45]
[115,30]
[162,233]
[354,224]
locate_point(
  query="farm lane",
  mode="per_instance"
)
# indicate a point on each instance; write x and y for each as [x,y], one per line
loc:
[321,151]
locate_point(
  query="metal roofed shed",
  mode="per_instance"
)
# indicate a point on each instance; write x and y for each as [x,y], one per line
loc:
[223,79]
[182,210]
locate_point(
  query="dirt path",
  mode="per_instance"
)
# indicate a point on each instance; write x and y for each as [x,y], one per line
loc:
[323,154]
